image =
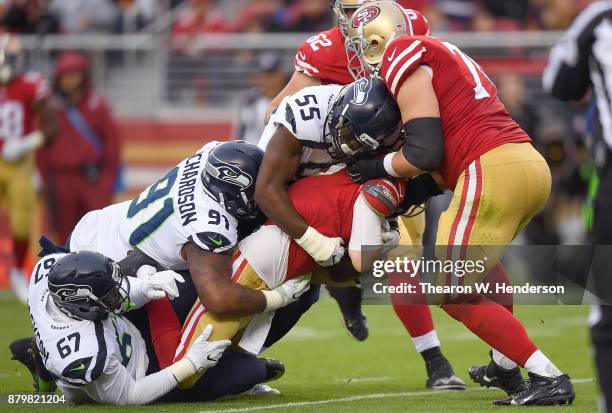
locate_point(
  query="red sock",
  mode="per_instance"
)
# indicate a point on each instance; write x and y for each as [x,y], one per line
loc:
[495,326]
[20,250]
[411,309]
[499,276]
[416,318]
[165,330]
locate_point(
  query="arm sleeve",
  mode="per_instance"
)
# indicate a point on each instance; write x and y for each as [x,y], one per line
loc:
[116,386]
[567,76]
[367,226]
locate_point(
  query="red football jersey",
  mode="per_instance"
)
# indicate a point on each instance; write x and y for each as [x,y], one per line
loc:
[326,203]
[324,56]
[17,100]
[474,120]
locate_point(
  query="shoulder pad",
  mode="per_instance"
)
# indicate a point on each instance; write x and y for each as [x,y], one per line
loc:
[384,195]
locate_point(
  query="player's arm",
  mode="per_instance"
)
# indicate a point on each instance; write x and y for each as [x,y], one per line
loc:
[567,74]
[279,166]
[116,386]
[298,81]
[15,149]
[423,149]
[211,275]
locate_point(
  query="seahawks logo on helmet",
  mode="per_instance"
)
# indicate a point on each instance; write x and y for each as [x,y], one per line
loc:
[365,16]
[361,91]
[230,174]
[73,292]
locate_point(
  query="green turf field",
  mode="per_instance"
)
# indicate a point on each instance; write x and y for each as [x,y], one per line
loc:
[328,371]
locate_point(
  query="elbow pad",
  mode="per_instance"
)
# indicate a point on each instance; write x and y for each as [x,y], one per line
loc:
[424,143]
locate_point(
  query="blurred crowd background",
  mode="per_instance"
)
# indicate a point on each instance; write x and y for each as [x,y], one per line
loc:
[178,73]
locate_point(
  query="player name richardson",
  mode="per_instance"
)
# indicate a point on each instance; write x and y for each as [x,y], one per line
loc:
[476,288]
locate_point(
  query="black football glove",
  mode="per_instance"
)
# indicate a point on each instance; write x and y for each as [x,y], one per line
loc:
[418,191]
[365,169]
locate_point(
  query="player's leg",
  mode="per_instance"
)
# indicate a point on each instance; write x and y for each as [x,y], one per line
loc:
[601,333]
[495,198]
[224,327]
[417,320]
[21,197]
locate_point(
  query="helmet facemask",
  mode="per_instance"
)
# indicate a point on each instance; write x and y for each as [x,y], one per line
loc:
[341,11]
[237,200]
[345,144]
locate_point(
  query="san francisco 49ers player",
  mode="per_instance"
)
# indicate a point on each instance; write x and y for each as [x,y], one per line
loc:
[23,104]
[324,60]
[455,126]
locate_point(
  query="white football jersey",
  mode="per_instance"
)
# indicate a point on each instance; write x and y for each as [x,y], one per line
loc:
[167,215]
[304,115]
[79,352]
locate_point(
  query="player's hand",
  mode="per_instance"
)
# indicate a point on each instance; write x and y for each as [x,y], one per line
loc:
[286,293]
[15,149]
[204,354]
[391,238]
[161,284]
[418,191]
[326,251]
[365,169]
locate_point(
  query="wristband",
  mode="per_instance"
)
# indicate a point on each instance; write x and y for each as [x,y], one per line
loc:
[274,300]
[182,369]
[388,164]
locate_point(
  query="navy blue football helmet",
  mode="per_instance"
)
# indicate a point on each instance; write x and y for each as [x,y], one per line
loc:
[364,119]
[229,177]
[88,286]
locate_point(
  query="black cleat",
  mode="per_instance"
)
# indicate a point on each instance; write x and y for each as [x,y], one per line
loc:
[275,369]
[492,375]
[440,375]
[25,351]
[356,326]
[542,391]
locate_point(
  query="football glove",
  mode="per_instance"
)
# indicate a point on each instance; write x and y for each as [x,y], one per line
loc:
[159,284]
[365,169]
[324,250]
[202,355]
[418,191]
[286,293]
[15,149]
[391,237]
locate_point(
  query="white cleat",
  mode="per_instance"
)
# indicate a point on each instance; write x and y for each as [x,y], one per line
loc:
[19,284]
[262,389]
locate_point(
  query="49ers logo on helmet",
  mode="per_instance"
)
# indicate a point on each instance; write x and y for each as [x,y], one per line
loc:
[365,16]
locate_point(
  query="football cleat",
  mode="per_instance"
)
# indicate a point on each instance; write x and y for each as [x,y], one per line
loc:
[25,351]
[262,389]
[274,369]
[542,391]
[493,375]
[440,375]
[356,326]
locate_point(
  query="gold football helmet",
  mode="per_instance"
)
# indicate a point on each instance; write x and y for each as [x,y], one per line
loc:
[370,29]
[11,58]
[344,10]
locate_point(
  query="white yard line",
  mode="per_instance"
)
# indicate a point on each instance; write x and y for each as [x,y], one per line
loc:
[363,379]
[354,398]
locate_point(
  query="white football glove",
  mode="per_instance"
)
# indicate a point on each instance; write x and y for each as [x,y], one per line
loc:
[160,284]
[15,149]
[286,293]
[391,238]
[202,355]
[324,250]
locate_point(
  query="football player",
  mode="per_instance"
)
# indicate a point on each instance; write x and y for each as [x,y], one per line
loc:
[94,353]
[329,202]
[456,127]
[310,131]
[323,60]
[26,121]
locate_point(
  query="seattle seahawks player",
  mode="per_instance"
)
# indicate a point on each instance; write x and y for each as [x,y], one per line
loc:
[189,220]
[94,353]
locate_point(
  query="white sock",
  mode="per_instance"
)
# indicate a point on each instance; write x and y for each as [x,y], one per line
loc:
[503,361]
[426,341]
[539,364]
